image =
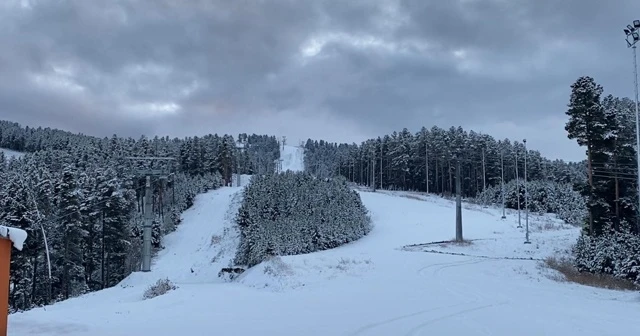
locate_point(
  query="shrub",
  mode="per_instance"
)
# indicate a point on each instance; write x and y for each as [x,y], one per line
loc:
[294,213]
[161,287]
[614,253]
[570,273]
[544,197]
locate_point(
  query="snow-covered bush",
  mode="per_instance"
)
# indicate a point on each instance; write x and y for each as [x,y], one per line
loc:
[614,253]
[161,287]
[544,197]
[295,213]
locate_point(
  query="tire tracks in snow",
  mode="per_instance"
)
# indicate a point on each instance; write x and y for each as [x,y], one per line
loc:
[455,314]
[459,289]
[439,268]
[401,317]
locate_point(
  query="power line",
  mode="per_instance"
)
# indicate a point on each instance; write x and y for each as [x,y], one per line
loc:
[614,177]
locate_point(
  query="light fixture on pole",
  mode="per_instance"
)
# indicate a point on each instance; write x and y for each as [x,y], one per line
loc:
[526,195]
[632,37]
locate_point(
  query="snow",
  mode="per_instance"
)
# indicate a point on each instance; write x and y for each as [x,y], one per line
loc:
[292,158]
[17,236]
[10,153]
[388,283]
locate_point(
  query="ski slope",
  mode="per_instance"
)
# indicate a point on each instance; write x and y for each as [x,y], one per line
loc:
[377,285]
[292,158]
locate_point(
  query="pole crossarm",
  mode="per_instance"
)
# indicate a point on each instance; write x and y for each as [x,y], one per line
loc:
[163,171]
[150,158]
[152,172]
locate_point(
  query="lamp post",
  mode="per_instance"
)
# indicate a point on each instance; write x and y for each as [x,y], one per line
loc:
[526,195]
[632,37]
[502,182]
[517,188]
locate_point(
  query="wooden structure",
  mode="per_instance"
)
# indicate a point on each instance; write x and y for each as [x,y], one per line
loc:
[8,237]
[5,266]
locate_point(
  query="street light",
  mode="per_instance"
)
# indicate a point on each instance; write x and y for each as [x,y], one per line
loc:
[632,38]
[518,188]
[502,182]
[526,194]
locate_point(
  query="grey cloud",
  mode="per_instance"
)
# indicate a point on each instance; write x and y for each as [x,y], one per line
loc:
[384,65]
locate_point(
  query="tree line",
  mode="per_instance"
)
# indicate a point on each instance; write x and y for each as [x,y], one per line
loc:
[426,161]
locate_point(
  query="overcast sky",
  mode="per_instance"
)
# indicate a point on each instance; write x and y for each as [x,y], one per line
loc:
[341,70]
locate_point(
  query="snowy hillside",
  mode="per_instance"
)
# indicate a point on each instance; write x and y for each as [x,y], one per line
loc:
[382,284]
[9,153]
[292,158]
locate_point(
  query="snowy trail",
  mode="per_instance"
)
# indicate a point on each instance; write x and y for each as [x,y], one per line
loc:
[204,235]
[374,286]
[292,158]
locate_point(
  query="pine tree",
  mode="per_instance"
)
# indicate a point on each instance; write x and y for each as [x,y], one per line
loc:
[588,124]
[73,230]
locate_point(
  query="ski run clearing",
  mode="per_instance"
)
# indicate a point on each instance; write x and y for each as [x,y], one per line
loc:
[292,158]
[9,153]
[387,283]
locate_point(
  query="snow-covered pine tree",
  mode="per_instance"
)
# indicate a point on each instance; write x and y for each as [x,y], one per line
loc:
[588,124]
[73,230]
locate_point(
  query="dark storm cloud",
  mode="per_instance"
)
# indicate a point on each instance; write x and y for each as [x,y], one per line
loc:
[339,69]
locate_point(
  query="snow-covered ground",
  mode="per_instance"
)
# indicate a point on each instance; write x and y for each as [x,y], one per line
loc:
[9,153]
[388,283]
[292,158]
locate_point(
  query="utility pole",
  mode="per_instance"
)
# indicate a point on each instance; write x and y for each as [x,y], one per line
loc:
[237,172]
[458,202]
[240,148]
[484,174]
[361,162]
[518,187]
[173,189]
[373,172]
[148,224]
[148,171]
[353,170]
[278,164]
[526,194]
[163,188]
[381,164]
[545,172]
[632,37]
[502,182]
[426,159]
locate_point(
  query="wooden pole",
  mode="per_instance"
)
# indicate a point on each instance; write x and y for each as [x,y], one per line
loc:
[5,265]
